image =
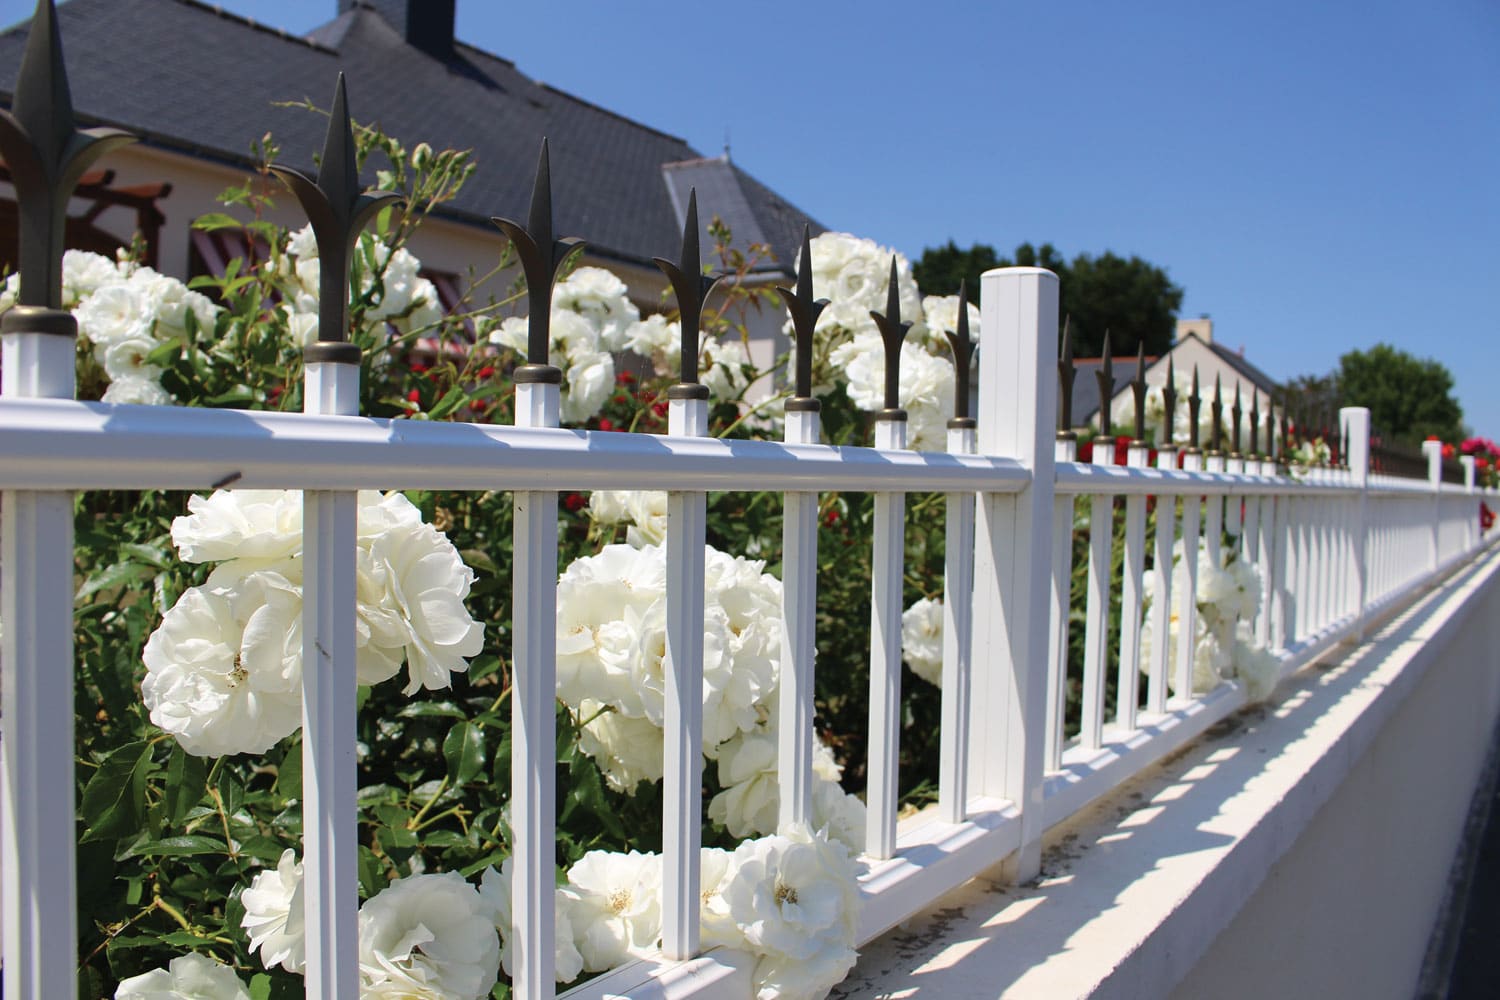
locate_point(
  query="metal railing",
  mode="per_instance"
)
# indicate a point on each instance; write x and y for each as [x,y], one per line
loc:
[1335,547]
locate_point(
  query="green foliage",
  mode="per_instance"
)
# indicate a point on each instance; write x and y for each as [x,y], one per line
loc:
[1131,299]
[1409,398]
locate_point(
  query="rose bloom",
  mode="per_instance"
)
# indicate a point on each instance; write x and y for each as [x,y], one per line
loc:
[429,931]
[922,639]
[494,888]
[618,914]
[187,977]
[274,915]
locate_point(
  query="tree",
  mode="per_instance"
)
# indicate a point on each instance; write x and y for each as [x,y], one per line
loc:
[1409,398]
[940,269]
[1130,298]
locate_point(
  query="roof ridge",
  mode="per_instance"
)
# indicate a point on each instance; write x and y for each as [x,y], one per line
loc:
[603,110]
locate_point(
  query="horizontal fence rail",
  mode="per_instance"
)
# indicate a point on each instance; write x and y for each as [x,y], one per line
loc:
[1333,547]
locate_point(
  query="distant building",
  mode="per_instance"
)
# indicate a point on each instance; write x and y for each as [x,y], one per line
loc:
[1194,347]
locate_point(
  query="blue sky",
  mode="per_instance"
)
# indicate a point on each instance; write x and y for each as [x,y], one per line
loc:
[1316,176]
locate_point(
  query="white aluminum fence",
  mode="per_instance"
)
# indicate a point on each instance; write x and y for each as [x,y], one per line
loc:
[1335,548]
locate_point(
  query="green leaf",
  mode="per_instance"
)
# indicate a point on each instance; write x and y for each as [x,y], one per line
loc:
[463,749]
[452,400]
[152,554]
[210,221]
[178,847]
[121,574]
[185,784]
[371,874]
[432,709]
[114,798]
[289,774]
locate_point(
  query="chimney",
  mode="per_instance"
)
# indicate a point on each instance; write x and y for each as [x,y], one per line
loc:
[1202,326]
[425,24]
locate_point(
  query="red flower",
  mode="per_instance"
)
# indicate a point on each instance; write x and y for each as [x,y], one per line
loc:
[276,391]
[832,517]
[1433,437]
[1486,517]
[477,405]
[1448,451]
[574,502]
[417,368]
[606,424]
[624,378]
[660,409]
[486,371]
[415,396]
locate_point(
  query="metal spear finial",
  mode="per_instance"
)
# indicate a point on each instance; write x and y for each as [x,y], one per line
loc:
[1138,387]
[1105,375]
[804,310]
[963,354]
[1254,422]
[1286,433]
[1235,413]
[893,334]
[1169,404]
[691,286]
[1216,419]
[541,254]
[1065,375]
[338,210]
[47,156]
[1195,403]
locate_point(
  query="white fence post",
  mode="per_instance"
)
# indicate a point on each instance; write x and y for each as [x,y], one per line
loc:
[799,598]
[1161,578]
[886,578]
[533,716]
[1434,452]
[682,785]
[37,868]
[1097,610]
[1131,601]
[1187,615]
[330,784]
[1356,425]
[958,605]
[1017,410]
[1060,598]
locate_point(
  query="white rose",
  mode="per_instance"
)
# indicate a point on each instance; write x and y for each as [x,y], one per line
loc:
[941,315]
[187,977]
[421,583]
[648,514]
[126,358]
[628,749]
[601,298]
[494,887]
[609,506]
[588,380]
[84,273]
[618,913]
[240,524]
[796,898]
[113,312]
[594,641]
[274,916]
[432,930]
[723,367]
[136,391]
[922,639]
[658,340]
[223,670]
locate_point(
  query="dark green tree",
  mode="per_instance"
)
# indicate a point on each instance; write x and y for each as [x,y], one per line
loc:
[1409,398]
[940,269]
[1131,298]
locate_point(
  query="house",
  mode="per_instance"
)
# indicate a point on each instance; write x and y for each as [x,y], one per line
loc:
[199,85]
[1194,348]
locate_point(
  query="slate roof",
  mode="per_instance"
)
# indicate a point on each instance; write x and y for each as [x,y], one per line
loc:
[1236,360]
[188,77]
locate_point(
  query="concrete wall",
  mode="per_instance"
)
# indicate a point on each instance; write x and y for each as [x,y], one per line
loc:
[1347,912]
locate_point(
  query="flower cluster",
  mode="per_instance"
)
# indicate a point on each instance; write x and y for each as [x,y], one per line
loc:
[611,650]
[1227,599]
[791,900]
[126,311]
[854,275]
[1310,452]
[1123,415]
[388,280]
[224,668]
[592,316]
